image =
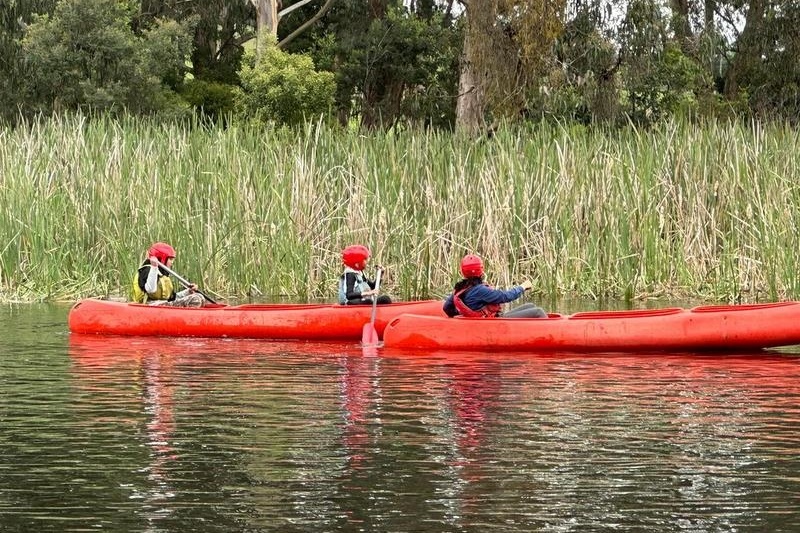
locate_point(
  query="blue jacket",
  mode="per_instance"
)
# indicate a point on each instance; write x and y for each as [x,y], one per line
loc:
[481,295]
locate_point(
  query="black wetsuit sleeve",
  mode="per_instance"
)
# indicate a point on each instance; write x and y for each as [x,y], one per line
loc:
[351,292]
[143,272]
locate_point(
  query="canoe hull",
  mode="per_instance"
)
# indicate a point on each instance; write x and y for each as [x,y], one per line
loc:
[719,327]
[270,321]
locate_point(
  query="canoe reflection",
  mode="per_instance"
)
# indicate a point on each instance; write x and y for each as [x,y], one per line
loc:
[322,429]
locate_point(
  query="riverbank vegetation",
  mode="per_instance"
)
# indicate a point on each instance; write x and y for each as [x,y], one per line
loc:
[679,210]
[618,148]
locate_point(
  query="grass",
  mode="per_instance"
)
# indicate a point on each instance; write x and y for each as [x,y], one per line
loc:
[681,211]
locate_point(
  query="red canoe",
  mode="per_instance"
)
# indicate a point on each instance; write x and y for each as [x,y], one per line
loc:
[714,327]
[268,321]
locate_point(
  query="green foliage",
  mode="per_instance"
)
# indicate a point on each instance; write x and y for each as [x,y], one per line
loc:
[219,29]
[13,19]
[430,96]
[212,100]
[581,85]
[164,50]
[770,74]
[683,208]
[283,88]
[86,56]
[666,86]
[392,65]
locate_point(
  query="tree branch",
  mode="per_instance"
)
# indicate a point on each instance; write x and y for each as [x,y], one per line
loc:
[291,8]
[307,24]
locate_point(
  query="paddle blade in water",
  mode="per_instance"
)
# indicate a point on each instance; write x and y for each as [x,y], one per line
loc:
[369,335]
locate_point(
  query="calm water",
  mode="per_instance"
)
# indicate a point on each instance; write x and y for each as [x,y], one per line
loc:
[145,435]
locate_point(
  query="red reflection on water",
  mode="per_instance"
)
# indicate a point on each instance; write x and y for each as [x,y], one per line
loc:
[470,390]
[99,351]
[481,384]
[358,376]
[474,391]
[159,366]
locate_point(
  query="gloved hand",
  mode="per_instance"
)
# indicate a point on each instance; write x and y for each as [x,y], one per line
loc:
[526,285]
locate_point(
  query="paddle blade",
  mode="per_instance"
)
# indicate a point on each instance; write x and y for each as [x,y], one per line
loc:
[369,335]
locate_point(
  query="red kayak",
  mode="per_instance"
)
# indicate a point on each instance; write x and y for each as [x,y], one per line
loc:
[714,327]
[259,321]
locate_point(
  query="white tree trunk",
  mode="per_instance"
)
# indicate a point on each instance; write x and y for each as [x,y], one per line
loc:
[266,24]
[470,103]
[475,66]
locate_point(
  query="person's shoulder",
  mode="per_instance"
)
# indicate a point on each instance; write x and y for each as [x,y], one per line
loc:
[482,287]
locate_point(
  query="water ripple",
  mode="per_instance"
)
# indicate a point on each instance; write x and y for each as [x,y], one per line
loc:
[224,435]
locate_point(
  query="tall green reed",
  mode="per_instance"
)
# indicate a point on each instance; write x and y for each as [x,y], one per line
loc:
[683,210]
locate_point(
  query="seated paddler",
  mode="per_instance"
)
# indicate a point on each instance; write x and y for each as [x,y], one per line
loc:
[152,285]
[473,297]
[354,286]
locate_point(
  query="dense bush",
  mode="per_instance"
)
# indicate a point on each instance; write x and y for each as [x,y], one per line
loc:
[86,56]
[213,101]
[283,88]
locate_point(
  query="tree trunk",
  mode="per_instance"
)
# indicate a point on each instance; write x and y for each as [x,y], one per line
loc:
[473,79]
[747,49]
[680,24]
[381,104]
[710,6]
[471,95]
[266,24]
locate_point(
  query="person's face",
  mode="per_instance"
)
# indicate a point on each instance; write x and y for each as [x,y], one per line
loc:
[169,261]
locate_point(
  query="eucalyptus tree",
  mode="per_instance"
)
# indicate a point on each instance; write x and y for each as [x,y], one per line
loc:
[86,56]
[269,14]
[219,30]
[394,61]
[764,65]
[619,60]
[506,44]
[15,15]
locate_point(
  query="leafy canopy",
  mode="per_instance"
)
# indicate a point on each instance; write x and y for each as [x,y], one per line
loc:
[283,88]
[85,55]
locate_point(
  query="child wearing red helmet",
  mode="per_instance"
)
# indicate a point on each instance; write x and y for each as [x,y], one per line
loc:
[472,297]
[153,286]
[354,287]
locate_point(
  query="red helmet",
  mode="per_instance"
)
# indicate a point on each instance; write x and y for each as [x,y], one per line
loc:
[162,251]
[472,266]
[355,256]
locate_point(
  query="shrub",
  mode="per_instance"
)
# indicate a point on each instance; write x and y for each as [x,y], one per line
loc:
[283,88]
[213,101]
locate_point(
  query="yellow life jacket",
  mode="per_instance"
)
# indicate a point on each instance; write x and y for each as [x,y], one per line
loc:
[164,288]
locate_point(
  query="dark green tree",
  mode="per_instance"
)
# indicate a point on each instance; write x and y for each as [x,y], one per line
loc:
[86,56]
[391,63]
[15,15]
[763,62]
[219,30]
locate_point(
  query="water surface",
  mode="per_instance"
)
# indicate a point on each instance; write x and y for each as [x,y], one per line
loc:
[168,435]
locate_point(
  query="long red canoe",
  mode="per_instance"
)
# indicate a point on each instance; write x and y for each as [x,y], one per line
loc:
[714,327]
[258,321]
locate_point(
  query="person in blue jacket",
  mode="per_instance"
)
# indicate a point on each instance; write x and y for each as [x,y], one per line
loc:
[472,297]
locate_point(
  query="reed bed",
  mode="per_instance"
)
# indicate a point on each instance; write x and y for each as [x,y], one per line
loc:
[680,211]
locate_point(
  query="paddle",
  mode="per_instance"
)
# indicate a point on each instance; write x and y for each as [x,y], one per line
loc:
[369,335]
[186,283]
